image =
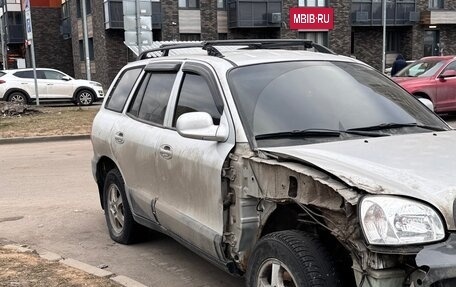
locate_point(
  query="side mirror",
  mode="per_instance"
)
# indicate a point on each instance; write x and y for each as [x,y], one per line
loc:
[66,78]
[448,74]
[427,103]
[199,125]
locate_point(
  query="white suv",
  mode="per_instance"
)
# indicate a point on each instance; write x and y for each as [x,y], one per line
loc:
[53,85]
[293,168]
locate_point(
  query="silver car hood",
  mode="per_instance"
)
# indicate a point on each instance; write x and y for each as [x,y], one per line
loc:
[421,166]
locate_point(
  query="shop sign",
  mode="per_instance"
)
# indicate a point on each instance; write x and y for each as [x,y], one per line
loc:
[312,18]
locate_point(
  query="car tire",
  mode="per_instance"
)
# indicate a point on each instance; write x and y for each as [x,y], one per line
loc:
[291,258]
[84,98]
[18,97]
[122,227]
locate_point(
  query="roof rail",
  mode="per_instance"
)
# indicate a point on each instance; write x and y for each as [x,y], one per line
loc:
[210,46]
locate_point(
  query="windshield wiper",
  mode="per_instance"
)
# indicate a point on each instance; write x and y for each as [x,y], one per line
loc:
[301,133]
[385,126]
[319,133]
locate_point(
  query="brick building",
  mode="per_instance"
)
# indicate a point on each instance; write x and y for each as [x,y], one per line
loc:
[415,28]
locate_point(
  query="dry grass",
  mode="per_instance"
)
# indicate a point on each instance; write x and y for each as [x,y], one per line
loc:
[48,122]
[29,270]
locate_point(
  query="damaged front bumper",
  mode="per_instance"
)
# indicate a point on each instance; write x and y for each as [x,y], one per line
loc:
[440,262]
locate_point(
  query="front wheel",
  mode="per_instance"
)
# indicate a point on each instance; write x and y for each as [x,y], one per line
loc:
[84,98]
[291,259]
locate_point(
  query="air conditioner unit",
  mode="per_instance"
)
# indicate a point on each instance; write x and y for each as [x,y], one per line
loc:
[362,16]
[275,18]
[414,16]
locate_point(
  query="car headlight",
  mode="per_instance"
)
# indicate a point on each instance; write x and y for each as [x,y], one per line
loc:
[95,84]
[390,220]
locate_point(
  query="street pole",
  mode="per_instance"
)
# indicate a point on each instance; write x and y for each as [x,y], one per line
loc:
[2,41]
[32,53]
[384,36]
[86,39]
[29,31]
[138,26]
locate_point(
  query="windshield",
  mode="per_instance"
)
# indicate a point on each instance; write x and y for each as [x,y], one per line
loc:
[288,97]
[421,68]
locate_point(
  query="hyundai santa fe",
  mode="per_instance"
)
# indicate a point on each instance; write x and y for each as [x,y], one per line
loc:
[289,167]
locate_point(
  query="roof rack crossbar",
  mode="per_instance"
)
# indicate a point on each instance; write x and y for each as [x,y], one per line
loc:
[210,46]
[166,47]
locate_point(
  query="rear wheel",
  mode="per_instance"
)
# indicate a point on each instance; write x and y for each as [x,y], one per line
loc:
[122,227]
[84,98]
[18,97]
[291,259]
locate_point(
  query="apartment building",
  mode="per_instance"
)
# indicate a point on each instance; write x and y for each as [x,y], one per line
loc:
[415,28]
[51,49]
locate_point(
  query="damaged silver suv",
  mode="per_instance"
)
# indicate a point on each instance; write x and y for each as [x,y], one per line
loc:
[290,167]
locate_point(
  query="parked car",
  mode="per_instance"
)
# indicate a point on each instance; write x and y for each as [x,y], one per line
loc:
[433,78]
[53,85]
[292,168]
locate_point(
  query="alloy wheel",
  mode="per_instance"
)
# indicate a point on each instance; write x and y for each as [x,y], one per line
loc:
[115,209]
[274,273]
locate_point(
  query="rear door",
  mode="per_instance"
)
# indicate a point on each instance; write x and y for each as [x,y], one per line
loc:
[137,134]
[26,82]
[190,194]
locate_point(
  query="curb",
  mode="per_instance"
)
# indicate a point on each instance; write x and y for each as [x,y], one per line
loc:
[119,279]
[43,139]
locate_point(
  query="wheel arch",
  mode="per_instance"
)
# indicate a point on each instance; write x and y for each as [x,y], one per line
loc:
[422,95]
[104,165]
[12,90]
[79,89]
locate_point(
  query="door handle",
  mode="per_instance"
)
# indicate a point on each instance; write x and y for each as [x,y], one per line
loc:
[166,151]
[50,84]
[119,137]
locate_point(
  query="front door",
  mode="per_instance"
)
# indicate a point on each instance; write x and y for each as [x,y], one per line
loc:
[57,87]
[190,199]
[446,90]
[431,43]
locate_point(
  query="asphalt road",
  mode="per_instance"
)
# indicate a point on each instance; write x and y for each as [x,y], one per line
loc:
[49,200]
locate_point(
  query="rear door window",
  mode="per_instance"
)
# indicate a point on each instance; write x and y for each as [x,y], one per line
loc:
[151,100]
[119,94]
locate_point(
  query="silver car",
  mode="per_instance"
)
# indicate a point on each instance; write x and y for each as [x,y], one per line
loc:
[290,167]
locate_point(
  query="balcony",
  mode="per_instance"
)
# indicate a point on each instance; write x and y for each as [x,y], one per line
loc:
[254,13]
[114,15]
[398,13]
[438,17]
[14,34]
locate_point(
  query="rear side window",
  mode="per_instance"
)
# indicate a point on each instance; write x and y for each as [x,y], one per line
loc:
[121,90]
[29,74]
[2,74]
[24,74]
[151,101]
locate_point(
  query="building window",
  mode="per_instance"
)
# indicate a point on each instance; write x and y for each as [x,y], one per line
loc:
[221,4]
[435,4]
[313,3]
[65,24]
[190,4]
[113,11]
[79,7]
[190,37]
[316,37]
[81,50]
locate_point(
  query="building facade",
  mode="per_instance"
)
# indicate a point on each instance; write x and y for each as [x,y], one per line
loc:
[51,49]
[415,28]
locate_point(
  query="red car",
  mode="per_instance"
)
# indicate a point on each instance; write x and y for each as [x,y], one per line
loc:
[433,78]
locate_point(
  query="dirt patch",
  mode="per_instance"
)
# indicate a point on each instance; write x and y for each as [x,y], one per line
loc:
[30,270]
[48,122]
